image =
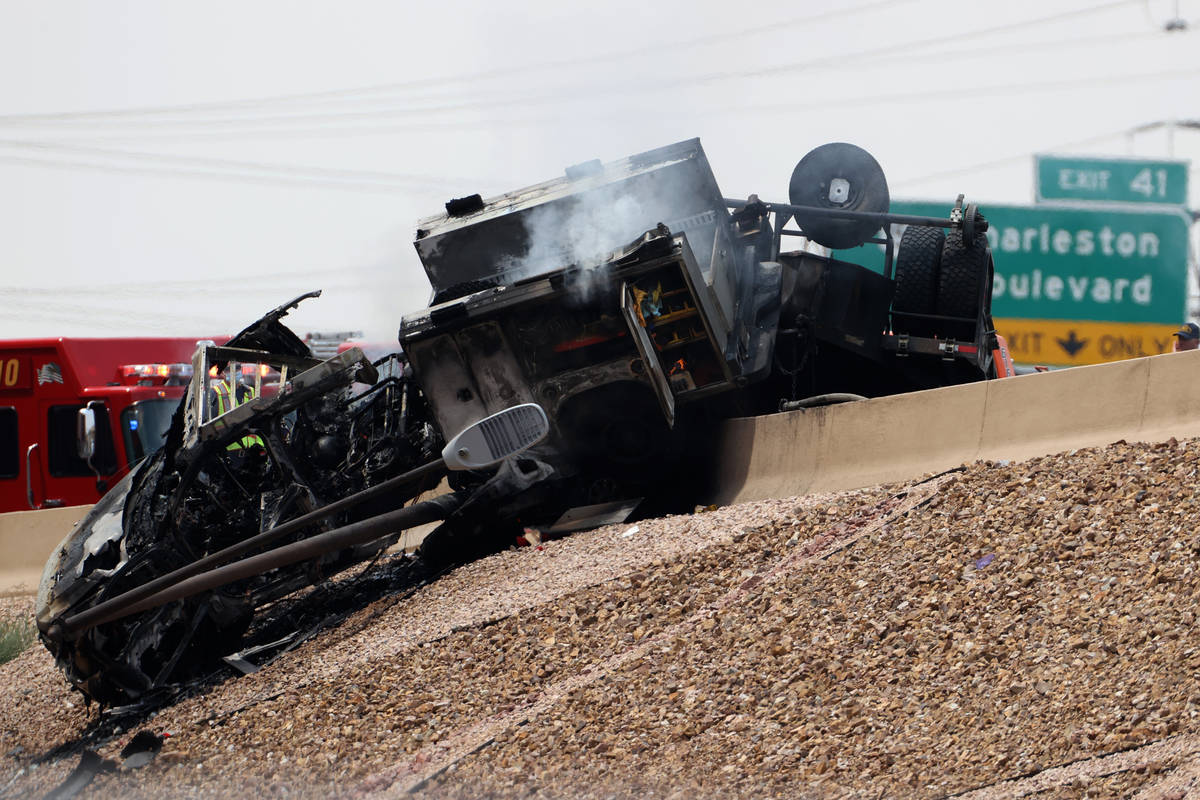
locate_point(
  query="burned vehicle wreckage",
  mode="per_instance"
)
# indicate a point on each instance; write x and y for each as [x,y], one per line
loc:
[599,324]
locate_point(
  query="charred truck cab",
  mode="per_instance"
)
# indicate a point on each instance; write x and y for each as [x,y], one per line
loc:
[598,324]
[634,306]
[626,273]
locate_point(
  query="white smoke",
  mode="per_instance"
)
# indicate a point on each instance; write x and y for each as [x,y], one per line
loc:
[582,233]
[600,218]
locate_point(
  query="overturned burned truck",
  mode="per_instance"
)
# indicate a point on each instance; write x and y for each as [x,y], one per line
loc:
[598,324]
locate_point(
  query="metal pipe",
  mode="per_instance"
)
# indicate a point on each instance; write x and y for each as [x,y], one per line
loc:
[355,533]
[868,216]
[98,614]
[915,315]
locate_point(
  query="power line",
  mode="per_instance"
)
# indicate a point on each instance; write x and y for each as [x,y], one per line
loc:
[1192,124]
[973,52]
[322,274]
[974,91]
[289,171]
[157,172]
[139,286]
[97,315]
[977,92]
[337,94]
[902,47]
[1006,160]
[444,125]
[592,92]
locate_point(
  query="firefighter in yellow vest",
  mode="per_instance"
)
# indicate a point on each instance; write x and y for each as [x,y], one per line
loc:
[224,401]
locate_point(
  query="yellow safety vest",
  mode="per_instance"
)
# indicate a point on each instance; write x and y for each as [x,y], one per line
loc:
[226,403]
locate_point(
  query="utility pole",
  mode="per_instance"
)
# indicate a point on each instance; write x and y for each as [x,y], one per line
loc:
[1176,22]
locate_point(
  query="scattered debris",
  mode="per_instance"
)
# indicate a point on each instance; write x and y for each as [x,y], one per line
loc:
[240,660]
[530,536]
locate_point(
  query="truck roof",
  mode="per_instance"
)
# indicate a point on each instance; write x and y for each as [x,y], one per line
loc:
[93,361]
[593,209]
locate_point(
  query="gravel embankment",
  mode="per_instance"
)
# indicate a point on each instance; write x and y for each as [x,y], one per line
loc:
[1007,631]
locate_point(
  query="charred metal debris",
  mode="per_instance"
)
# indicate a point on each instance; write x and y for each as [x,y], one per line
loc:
[585,334]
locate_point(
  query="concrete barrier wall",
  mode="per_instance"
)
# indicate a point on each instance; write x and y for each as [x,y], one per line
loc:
[857,444]
[902,437]
[26,540]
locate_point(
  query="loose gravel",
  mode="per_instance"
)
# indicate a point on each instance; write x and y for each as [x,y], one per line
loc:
[1009,630]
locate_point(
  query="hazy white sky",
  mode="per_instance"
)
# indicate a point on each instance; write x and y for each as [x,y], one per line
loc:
[179,168]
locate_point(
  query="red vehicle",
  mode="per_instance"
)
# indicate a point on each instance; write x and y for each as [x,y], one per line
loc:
[76,414]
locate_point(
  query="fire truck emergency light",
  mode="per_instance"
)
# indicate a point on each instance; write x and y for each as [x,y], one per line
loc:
[156,371]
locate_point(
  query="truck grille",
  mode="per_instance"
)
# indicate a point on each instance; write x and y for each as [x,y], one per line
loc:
[513,431]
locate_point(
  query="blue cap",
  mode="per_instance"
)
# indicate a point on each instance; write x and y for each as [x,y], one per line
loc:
[1189,331]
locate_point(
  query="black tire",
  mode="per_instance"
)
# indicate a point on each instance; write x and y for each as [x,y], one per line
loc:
[966,268]
[918,264]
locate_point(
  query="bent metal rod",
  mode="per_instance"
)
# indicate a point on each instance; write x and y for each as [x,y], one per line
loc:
[128,602]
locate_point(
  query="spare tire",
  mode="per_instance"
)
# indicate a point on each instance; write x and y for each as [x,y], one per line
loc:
[962,285]
[838,176]
[918,264]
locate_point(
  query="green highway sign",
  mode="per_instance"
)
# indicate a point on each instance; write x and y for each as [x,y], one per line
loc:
[1081,263]
[1111,180]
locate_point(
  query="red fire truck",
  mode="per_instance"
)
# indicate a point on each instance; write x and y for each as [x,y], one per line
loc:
[76,414]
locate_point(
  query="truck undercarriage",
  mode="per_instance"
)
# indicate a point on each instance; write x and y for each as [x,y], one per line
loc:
[626,300]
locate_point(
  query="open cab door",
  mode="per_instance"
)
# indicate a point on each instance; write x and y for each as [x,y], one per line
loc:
[645,348]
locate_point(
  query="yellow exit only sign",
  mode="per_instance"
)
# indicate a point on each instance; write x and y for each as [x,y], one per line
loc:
[1066,343]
